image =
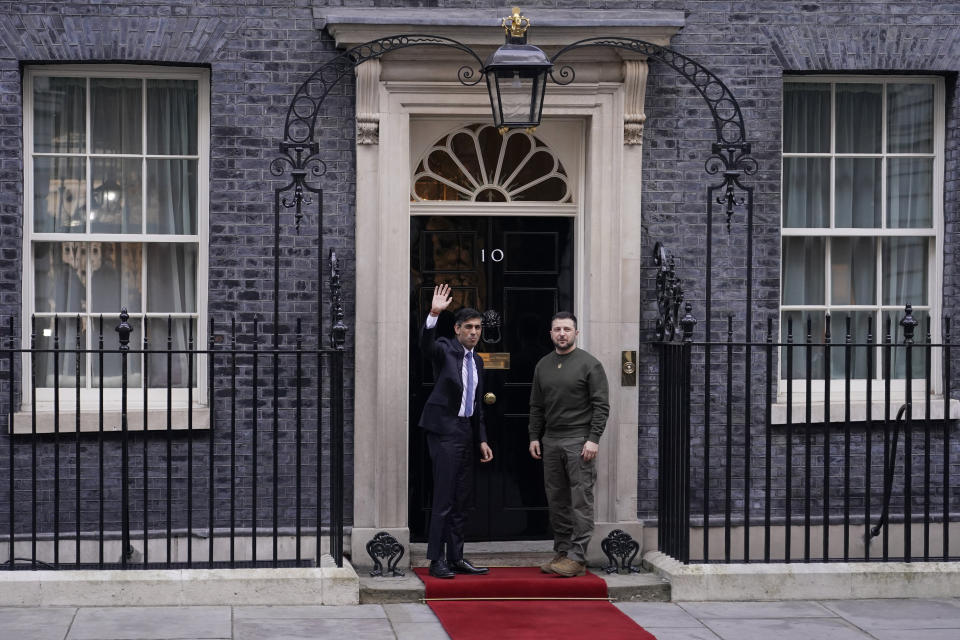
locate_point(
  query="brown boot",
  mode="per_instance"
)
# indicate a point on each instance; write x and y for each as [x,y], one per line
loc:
[568,567]
[546,566]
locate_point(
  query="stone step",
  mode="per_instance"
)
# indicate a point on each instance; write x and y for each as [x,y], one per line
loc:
[496,559]
[636,587]
[633,587]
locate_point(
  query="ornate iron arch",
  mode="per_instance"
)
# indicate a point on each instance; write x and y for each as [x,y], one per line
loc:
[305,107]
[300,156]
[727,117]
[730,155]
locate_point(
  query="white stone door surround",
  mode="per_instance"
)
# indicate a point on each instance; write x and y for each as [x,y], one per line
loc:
[417,83]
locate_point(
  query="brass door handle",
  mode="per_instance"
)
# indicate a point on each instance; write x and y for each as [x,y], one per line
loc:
[489,398]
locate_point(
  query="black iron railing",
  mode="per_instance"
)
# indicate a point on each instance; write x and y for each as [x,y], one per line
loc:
[846,449]
[138,474]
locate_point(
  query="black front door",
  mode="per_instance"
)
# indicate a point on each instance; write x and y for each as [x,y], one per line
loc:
[521,269]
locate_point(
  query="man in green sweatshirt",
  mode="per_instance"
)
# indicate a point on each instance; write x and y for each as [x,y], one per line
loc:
[569,405]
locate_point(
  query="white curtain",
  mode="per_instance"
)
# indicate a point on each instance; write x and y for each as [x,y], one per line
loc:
[111,272]
[171,209]
[858,119]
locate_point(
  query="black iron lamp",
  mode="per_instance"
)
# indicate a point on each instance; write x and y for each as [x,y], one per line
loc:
[516,77]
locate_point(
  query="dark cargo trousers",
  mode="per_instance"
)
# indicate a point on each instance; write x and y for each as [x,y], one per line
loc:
[568,481]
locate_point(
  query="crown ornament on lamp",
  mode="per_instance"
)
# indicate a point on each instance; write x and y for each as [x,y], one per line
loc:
[516,75]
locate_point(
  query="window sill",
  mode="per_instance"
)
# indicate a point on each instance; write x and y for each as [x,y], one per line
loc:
[858,410]
[180,417]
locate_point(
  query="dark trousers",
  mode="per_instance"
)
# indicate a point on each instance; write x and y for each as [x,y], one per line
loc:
[452,457]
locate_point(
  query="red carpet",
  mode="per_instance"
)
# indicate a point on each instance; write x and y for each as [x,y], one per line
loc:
[538,617]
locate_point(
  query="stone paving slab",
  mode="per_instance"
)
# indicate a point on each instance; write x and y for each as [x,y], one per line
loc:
[420,631]
[39,623]
[900,619]
[657,614]
[781,609]
[899,614]
[682,634]
[312,629]
[150,623]
[409,612]
[308,612]
[915,634]
[785,629]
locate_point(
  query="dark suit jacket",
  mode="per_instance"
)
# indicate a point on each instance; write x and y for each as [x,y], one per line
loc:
[440,412]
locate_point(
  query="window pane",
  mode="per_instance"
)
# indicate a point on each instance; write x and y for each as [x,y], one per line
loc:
[853,271]
[113,362]
[116,195]
[172,196]
[806,192]
[905,271]
[429,188]
[115,117]
[795,323]
[116,268]
[59,195]
[59,115]
[806,118]
[859,328]
[803,265]
[858,192]
[60,277]
[898,354]
[465,149]
[172,278]
[179,331]
[910,193]
[859,121]
[61,334]
[910,118]
[172,117]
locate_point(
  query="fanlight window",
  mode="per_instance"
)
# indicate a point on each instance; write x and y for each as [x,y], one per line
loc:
[478,164]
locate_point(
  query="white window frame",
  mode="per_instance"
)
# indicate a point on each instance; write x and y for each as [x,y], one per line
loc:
[934,266]
[89,400]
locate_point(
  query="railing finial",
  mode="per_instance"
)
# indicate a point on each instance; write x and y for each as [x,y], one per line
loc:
[124,329]
[338,331]
[909,324]
[687,323]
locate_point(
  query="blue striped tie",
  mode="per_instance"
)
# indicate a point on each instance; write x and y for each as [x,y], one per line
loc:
[468,404]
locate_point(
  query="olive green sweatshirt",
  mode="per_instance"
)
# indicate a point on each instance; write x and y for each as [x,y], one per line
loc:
[569,397]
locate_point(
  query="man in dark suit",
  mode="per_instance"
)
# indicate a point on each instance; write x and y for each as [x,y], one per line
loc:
[450,416]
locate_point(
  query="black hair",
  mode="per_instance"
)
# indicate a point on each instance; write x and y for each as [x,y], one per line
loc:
[467,313]
[564,315]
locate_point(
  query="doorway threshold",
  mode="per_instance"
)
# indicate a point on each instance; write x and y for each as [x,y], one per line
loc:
[497,553]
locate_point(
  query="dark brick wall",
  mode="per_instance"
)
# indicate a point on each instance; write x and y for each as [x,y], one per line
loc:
[260,51]
[750,45]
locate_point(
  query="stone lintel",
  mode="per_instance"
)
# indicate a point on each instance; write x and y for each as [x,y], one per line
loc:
[481,27]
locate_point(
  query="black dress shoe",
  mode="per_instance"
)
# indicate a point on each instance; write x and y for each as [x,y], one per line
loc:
[464,566]
[439,569]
